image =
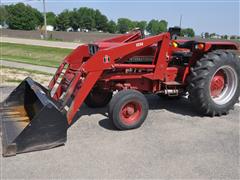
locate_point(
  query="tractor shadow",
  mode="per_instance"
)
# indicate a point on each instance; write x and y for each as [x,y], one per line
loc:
[180,106]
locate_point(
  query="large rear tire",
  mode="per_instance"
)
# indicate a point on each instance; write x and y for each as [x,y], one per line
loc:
[214,84]
[128,109]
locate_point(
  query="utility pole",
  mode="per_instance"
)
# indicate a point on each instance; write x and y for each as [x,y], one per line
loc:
[45,19]
[180,21]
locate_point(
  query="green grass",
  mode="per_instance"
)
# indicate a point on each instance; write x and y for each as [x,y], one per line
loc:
[37,55]
[13,80]
[28,70]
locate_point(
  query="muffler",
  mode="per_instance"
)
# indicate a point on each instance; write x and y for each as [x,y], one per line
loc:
[31,120]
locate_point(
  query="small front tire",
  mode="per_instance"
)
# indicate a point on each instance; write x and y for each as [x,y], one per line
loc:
[128,109]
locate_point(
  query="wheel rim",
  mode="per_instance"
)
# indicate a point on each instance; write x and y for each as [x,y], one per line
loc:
[223,85]
[130,113]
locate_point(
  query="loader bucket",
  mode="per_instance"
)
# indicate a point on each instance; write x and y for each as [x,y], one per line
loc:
[31,120]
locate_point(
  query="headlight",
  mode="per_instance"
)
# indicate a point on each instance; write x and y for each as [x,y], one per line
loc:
[174,44]
[199,46]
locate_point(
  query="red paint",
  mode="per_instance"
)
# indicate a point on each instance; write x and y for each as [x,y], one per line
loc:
[86,69]
[56,76]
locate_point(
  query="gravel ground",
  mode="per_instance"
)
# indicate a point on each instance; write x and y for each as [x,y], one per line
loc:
[174,142]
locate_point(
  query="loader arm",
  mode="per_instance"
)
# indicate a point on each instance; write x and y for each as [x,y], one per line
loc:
[106,60]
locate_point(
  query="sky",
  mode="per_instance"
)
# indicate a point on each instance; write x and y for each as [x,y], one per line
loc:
[214,16]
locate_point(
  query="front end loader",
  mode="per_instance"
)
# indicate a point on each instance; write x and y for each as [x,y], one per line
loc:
[37,118]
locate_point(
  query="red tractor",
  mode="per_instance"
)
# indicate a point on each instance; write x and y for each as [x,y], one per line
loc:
[36,118]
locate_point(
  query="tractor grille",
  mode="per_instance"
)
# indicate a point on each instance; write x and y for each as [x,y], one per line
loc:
[92,48]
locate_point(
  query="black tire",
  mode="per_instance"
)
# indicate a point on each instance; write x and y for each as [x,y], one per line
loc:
[98,98]
[201,77]
[120,100]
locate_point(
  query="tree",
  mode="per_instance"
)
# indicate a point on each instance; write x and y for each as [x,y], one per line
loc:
[124,25]
[74,19]
[112,27]
[86,18]
[39,17]
[163,26]
[3,15]
[101,21]
[212,35]
[156,27]
[233,37]
[51,19]
[153,27]
[225,36]
[63,20]
[206,35]
[88,22]
[23,17]
[189,32]
[142,25]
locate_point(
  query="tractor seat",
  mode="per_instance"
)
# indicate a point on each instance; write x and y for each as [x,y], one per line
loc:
[187,44]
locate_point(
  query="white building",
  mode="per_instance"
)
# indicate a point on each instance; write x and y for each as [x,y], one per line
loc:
[50,28]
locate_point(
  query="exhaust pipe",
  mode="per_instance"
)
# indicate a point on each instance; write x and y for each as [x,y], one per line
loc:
[31,120]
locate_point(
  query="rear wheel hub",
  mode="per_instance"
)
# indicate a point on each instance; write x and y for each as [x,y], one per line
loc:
[223,85]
